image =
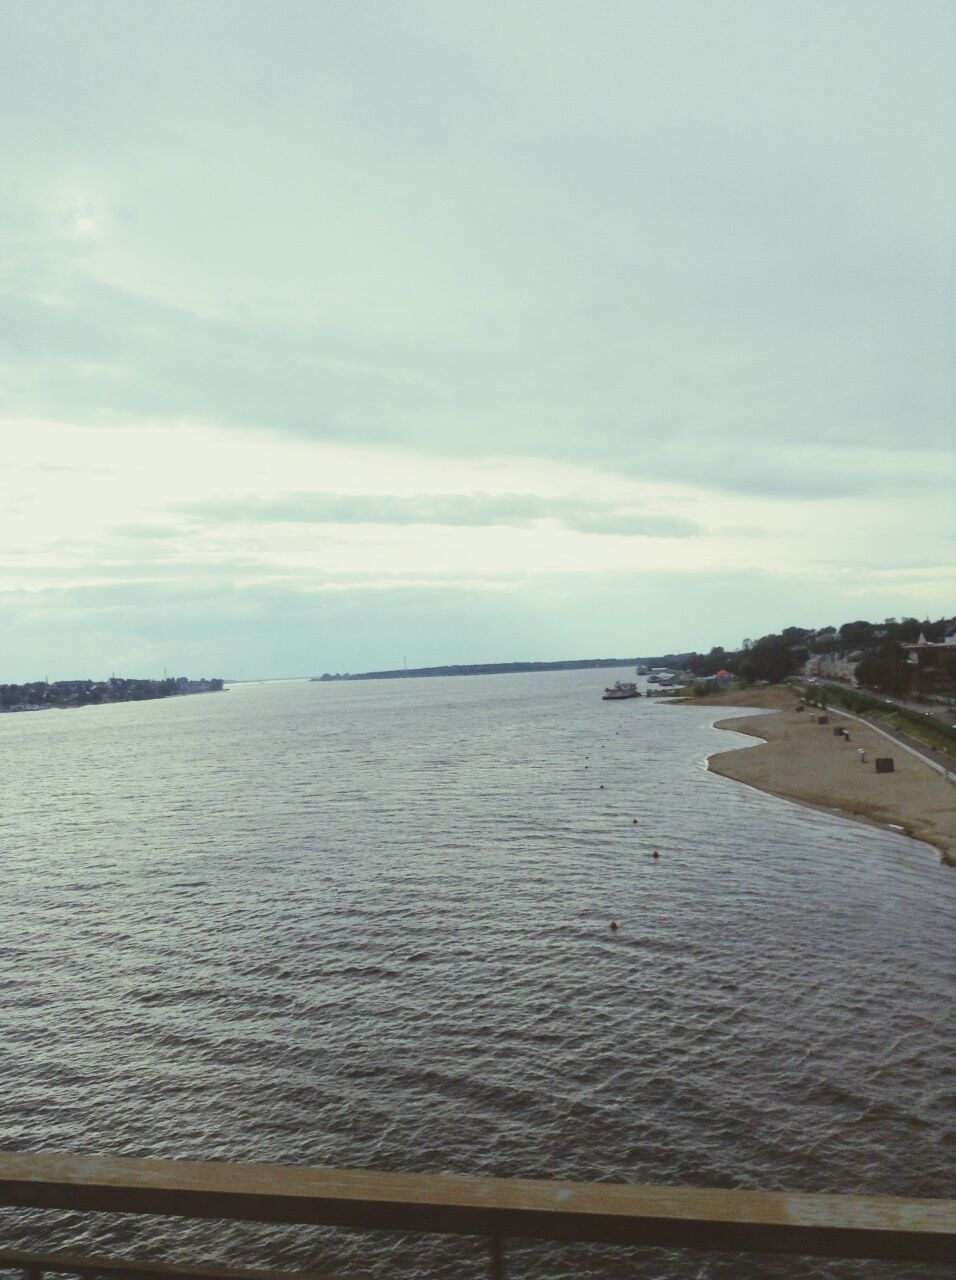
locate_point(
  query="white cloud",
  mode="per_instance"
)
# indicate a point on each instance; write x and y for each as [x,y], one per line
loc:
[629,264]
[188,499]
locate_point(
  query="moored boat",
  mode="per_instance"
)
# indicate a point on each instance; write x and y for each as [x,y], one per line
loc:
[619,690]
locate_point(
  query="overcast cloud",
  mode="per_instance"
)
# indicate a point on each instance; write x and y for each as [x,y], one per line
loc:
[526,323]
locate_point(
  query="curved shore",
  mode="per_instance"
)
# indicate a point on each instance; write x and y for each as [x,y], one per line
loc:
[805,761]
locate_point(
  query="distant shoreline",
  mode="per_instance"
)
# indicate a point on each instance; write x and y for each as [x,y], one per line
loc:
[39,695]
[503,668]
[806,762]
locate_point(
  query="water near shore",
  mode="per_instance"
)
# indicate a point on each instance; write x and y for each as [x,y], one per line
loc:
[366,925]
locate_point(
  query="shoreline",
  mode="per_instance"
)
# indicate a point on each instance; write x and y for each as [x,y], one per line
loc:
[67,695]
[800,760]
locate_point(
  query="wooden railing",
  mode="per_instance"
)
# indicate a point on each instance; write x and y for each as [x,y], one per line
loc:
[832,1226]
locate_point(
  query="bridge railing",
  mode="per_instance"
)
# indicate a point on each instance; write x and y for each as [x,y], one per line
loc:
[831,1226]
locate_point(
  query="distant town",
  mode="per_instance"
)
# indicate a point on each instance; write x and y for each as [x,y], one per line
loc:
[38,695]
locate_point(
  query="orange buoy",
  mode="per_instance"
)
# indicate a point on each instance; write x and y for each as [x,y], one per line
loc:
[613,924]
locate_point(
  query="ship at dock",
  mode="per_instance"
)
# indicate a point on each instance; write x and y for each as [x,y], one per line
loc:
[620,690]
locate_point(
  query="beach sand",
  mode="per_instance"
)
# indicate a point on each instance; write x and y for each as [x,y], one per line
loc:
[805,761]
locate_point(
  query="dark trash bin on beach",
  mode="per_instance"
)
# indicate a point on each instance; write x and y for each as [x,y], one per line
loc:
[838,733]
[823,719]
[884,764]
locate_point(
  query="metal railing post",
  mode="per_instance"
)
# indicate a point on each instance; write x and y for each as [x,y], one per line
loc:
[497,1258]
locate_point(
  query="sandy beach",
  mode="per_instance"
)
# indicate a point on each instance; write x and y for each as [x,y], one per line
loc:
[805,761]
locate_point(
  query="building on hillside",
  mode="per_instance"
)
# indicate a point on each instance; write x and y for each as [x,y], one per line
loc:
[832,666]
[937,656]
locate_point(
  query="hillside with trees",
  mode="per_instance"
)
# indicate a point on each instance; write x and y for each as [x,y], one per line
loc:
[874,652]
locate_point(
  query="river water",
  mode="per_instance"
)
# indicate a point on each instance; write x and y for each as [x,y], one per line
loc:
[366,925]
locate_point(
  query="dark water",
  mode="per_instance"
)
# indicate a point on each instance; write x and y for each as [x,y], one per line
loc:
[366,926]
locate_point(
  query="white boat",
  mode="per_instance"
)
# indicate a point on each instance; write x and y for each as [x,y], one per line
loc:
[620,689]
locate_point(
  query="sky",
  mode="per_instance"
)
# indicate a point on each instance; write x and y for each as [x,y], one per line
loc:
[339,334]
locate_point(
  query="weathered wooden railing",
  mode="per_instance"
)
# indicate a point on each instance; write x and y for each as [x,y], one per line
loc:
[833,1226]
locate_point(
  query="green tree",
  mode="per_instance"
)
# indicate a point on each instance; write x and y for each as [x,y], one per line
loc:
[796,635]
[747,669]
[773,659]
[886,669]
[825,640]
[857,635]
[709,664]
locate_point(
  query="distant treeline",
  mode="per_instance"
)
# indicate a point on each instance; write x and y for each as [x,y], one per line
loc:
[508,668]
[38,695]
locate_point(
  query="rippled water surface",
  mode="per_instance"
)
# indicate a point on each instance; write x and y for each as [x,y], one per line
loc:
[367,925]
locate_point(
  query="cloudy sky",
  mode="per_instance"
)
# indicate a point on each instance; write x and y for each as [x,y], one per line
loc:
[341,331]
